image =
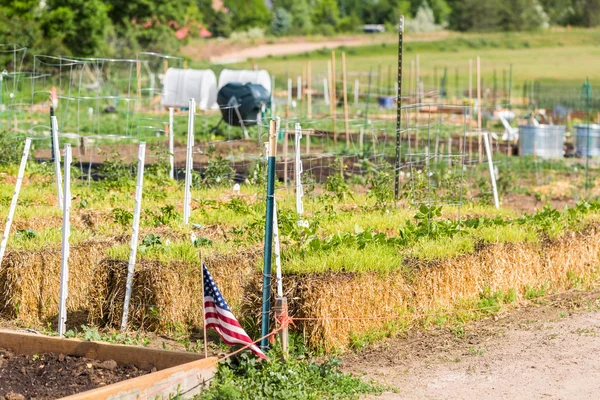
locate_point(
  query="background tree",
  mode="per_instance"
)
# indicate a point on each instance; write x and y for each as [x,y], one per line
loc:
[247,14]
[282,22]
[79,25]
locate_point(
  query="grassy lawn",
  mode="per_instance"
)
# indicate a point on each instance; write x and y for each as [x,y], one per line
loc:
[558,56]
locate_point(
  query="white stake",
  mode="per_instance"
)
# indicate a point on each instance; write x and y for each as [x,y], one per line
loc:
[134,233]
[54,134]
[277,252]
[325,91]
[356,91]
[488,152]
[66,233]
[171,145]
[15,198]
[189,163]
[299,91]
[298,178]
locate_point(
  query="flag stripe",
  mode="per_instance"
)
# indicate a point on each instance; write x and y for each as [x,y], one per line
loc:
[218,316]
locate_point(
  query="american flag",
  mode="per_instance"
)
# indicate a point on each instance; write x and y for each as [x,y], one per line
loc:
[217,315]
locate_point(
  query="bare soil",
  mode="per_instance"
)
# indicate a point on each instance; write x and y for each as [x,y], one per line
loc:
[50,376]
[547,349]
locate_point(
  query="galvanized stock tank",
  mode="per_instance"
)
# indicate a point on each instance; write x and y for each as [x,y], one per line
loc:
[545,141]
[581,135]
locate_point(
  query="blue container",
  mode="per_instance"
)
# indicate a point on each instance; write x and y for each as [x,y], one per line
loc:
[386,101]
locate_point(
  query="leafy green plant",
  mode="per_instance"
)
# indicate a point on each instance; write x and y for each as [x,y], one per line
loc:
[163,216]
[152,240]
[296,378]
[115,173]
[26,234]
[335,184]
[218,171]
[381,188]
[122,216]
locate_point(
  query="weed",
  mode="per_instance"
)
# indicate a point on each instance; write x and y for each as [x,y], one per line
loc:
[122,216]
[163,216]
[26,234]
[295,378]
[533,292]
[476,351]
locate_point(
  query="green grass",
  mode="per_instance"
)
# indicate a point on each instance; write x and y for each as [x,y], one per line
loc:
[346,259]
[546,55]
[439,249]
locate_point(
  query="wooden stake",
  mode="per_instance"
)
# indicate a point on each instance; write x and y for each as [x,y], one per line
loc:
[165,65]
[285,154]
[329,86]
[479,137]
[203,311]
[417,79]
[333,98]
[139,83]
[309,90]
[410,79]
[280,310]
[361,138]
[308,132]
[345,89]
[470,104]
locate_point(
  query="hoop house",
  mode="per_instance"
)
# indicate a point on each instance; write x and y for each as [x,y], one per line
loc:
[180,85]
[244,76]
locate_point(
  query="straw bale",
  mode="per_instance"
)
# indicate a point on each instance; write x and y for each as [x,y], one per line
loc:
[30,282]
[444,284]
[167,297]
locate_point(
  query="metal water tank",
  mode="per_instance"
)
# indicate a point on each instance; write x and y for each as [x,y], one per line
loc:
[581,135]
[545,141]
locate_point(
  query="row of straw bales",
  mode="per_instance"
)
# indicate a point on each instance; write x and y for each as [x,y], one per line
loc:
[168,296]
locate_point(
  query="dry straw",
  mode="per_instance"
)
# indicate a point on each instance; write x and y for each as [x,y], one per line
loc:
[438,285]
[29,283]
[167,296]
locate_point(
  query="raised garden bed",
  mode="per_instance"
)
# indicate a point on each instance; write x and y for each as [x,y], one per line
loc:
[34,366]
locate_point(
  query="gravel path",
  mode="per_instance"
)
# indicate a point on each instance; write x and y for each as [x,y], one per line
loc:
[539,352]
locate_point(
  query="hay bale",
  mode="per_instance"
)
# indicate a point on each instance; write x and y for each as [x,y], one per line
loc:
[346,296]
[444,284]
[30,283]
[167,296]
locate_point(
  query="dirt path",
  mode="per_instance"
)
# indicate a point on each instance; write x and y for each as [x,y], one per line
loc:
[547,351]
[231,52]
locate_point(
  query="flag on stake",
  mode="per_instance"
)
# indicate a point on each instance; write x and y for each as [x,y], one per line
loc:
[218,316]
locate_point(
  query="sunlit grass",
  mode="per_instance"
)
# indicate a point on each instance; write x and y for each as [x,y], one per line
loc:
[346,259]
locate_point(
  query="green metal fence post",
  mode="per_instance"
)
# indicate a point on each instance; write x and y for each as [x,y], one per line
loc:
[266,304]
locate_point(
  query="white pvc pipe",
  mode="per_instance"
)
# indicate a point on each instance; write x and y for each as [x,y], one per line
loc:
[134,233]
[15,198]
[57,174]
[171,145]
[189,161]
[277,252]
[66,233]
[488,152]
[325,91]
[298,178]
[356,91]
[299,93]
